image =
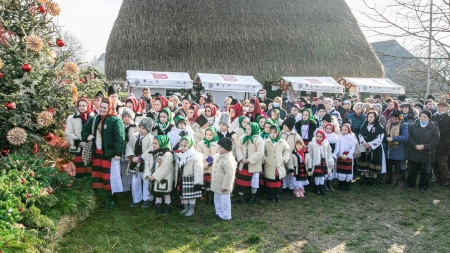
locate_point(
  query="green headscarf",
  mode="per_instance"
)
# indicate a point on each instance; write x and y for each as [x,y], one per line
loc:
[178,119]
[278,131]
[189,140]
[163,142]
[310,118]
[214,138]
[164,126]
[241,118]
[263,134]
[255,132]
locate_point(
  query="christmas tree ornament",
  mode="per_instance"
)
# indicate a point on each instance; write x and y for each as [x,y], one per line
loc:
[4,34]
[53,9]
[26,67]
[33,10]
[51,110]
[10,106]
[34,43]
[71,169]
[24,79]
[81,79]
[49,136]
[1,75]
[5,152]
[17,136]
[45,118]
[41,9]
[60,42]
[71,68]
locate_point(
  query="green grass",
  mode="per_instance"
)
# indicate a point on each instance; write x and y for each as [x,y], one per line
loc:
[366,219]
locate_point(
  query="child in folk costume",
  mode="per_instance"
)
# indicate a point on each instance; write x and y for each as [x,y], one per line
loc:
[189,175]
[243,122]
[276,155]
[224,124]
[236,111]
[164,123]
[254,110]
[159,170]
[134,105]
[208,147]
[333,139]
[275,116]
[137,151]
[345,149]
[249,154]
[321,112]
[306,127]
[179,130]
[265,131]
[297,165]
[210,114]
[261,121]
[223,175]
[288,134]
[130,129]
[322,160]
[199,132]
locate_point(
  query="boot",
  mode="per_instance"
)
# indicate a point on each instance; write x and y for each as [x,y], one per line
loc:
[239,199]
[374,182]
[326,185]
[277,198]
[330,187]
[387,178]
[297,192]
[366,181]
[252,199]
[347,186]
[394,181]
[272,198]
[186,208]
[167,208]
[302,192]
[190,212]
[322,190]
[342,185]
[317,190]
[105,203]
[158,208]
[112,204]
[207,197]
[210,199]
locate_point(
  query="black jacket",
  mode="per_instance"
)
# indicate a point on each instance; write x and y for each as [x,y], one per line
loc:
[443,122]
[428,136]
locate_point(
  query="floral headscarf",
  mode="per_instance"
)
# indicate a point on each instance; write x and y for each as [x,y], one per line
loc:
[277,111]
[178,119]
[164,101]
[255,132]
[324,136]
[214,134]
[111,107]
[213,110]
[163,142]
[164,126]
[263,134]
[257,110]
[137,108]
[189,140]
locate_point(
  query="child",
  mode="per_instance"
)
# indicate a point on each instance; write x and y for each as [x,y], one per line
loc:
[224,170]
[261,121]
[320,114]
[321,159]
[159,168]
[249,154]
[200,125]
[328,119]
[298,164]
[333,139]
[276,155]
[344,152]
[189,175]
[275,116]
[307,126]
[179,130]
[265,132]
[236,111]
[130,128]
[136,150]
[208,147]
[224,124]
[210,114]
[243,122]
[164,123]
[291,138]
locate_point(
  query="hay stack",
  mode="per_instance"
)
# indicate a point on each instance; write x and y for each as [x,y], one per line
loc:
[263,38]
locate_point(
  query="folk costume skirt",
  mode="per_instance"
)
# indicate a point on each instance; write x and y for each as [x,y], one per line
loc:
[301,179]
[106,178]
[244,180]
[345,168]
[81,169]
[273,186]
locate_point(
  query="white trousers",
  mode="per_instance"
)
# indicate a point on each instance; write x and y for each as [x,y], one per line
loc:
[319,180]
[222,204]
[114,177]
[345,177]
[140,189]
[255,180]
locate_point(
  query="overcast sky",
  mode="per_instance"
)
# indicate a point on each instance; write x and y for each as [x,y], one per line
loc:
[92,20]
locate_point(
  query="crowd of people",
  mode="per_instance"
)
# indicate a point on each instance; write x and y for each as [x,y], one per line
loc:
[174,148]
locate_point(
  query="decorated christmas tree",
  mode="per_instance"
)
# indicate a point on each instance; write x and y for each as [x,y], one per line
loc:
[38,86]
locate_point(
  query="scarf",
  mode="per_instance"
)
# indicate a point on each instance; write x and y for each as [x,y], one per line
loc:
[332,138]
[214,138]
[392,130]
[137,107]
[241,118]
[186,157]
[263,134]
[164,102]
[255,132]
[257,110]
[238,111]
[196,114]
[189,140]
[213,111]
[164,126]
[278,114]
[320,131]
[89,109]
[163,142]
[179,119]
[310,117]
[301,154]
[277,128]
[375,130]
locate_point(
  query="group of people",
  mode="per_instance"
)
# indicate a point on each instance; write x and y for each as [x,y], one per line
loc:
[162,148]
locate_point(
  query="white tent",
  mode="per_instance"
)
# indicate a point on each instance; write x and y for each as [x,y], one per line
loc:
[372,85]
[157,79]
[311,84]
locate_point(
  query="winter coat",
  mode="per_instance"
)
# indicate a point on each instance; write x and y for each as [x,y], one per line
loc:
[255,153]
[113,135]
[223,173]
[203,148]
[428,136]
[147,145]
[198,132]
[193,167]
[276,156]
[314,151]
[290,138]
[293,165]
[164,172]
[402,139]
[346,143]
[74,125]
[132,129]
[234,125]
[356,122]
[443,122]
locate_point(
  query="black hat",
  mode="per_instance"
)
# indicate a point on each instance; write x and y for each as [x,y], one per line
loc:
[111,90]
[419,105]
[157,94]
[327,118]
[308,106]
[99,94]
[377,96]
[234,101]
[289,122]
[428,113]
[421,101]
[202,120]
[187,97]
[401,98]
[396,113]
[232,97]
[431,97]
[226,143]
[209,98]
[321,107]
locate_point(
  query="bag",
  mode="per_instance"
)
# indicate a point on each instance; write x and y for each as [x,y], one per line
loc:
[75,151]
[87,149]
[429,168]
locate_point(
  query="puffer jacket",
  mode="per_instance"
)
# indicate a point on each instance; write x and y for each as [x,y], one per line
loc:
[427,136]
[356,122]
[402,139]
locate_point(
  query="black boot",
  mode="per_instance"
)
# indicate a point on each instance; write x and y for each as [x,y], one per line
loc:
[167,208]
[342,185]
[105,203]
[239,199]
[210,200]
[317,190]
[347,186]
[277,198]
[252,199]
[113,202]
[366,181]
[158,208]
[330,187]
[272,198]
[326,185]
[322,190]
[374,182]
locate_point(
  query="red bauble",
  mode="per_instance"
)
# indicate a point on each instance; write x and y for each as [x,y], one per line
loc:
[60,42]
[81,80]
[1,75]
[41,9]
[11,106]
[28,195]
[49,43]
[49,136]
[26,67]
[5,152]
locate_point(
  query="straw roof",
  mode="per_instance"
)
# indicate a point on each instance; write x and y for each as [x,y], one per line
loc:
[263,38]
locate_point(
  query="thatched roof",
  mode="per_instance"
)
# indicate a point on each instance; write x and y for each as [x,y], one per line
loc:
[263,38]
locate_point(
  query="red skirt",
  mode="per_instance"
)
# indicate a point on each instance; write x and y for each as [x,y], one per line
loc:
[345,166]
[101,170]
[274,185]
[81,169]
[244,180]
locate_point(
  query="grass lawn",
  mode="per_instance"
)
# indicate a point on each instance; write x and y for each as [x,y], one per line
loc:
[366,219]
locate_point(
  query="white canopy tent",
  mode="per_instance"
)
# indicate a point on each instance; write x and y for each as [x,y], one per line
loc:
[158,81]
[294,85]
[371,85]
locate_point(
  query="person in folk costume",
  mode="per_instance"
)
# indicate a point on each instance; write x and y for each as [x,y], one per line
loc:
[199,133]
[146,100]
[276,156]
[345,150]
[164,123]
[210,114]
[261,121]
[249,154]
[397,135]
[130,129]
[209,101]
[236,111]
[322,161]
[193,115]
[134,105]
[265,131]
[161,103]
[109,143]
[288,134]
[74,126]
[243,122]
[333,139]
[297,167]
[185,107]
[275,116]
[179,130]
[208,147]
[137,152]
[113,96]
[307,126]
[96,102]
[372,160]
[329,119]
[189,175]
[222,178]
[159,171]
[254,111]
[224,124]
[321,112]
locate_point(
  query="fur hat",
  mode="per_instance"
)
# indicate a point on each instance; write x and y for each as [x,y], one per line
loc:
[226,143]
[225,119]
[202,120]
[148,123]
[127,111]
[327,118]
[111,91]
[427,113]
[99,94]
[401,98]
[321,107]
[396,113]
[209,98]
[289,122]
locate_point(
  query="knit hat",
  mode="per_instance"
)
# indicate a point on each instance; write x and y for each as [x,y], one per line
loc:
[111,91]
[327,117]
[419,105]
[427,113]
[320,107]
[127,111]
[99,94]
[289,122]
[226,143]
[401,98]
[148,123]
[209,98]
[431,97]
[397,113]
[202,120]
[225,119]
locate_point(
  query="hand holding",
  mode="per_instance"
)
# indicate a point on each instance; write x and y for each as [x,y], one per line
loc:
[90,137]
[366,145]
[135,160]
[117,158]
